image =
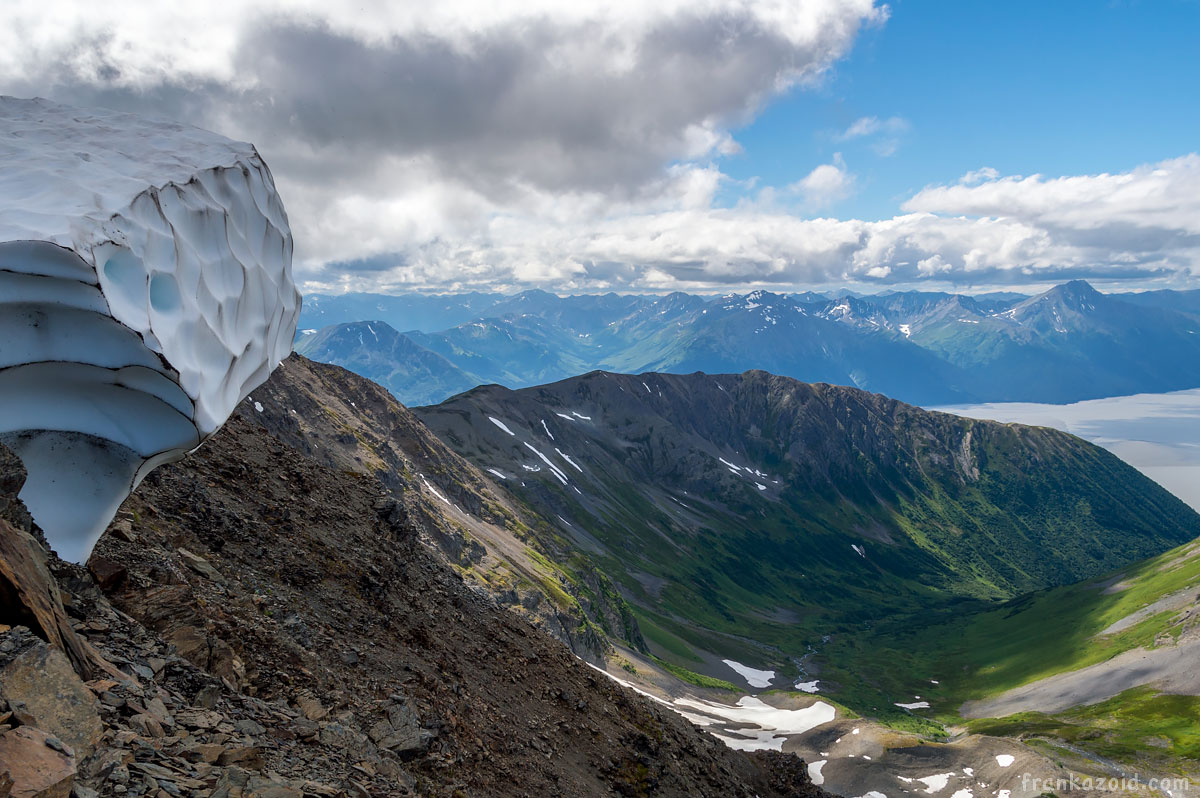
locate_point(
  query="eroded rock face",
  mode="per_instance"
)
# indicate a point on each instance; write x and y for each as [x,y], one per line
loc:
[145,289]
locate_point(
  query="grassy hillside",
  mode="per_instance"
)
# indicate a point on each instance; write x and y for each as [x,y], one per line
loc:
[762,519]
[976,651]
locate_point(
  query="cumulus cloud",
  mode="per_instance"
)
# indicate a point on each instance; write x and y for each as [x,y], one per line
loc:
[392,124]
[572,146]
[1158,198]
[825,185]
[987,234]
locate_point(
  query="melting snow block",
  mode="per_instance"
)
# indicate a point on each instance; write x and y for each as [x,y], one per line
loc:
[145,290]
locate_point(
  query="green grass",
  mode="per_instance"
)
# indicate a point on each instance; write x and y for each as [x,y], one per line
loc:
[1140,727]
[698,679]
[664,640]
[984,653]
[978,649]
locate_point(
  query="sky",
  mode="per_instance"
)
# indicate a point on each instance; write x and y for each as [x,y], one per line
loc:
[700,145]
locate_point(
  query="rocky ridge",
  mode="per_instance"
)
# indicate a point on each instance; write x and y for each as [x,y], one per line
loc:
[272,626]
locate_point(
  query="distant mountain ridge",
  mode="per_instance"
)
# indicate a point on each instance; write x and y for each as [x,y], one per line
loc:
[376,351]
[1067,344]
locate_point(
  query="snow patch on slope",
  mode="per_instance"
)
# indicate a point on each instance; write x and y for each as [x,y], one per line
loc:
[753,676]
[567,457]
[553,468]
[501,425]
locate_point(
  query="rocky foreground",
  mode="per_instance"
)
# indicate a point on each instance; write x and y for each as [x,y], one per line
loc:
[262,625]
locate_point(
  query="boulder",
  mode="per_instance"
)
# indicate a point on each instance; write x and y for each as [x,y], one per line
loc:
[109,575]
[36,763]
[39,685]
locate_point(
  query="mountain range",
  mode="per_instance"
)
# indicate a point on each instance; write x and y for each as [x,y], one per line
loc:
[1066,344]
[788,565]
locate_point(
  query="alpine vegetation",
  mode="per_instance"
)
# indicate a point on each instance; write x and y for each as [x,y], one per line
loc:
[145,280]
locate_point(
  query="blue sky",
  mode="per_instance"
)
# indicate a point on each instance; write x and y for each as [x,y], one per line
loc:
[632,146]
[1052,87]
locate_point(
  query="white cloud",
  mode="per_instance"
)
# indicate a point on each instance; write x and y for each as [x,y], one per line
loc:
[392,125]
[884,132]
[825,185]
[870,125]
[573,146]
[704,247]
[978,176]
[1162,199]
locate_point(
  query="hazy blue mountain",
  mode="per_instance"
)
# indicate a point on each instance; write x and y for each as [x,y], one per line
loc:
[1069,343]
[404,312]
[515,350]
[374,350]
[1066,344]
[775,333]
[1182,301]
[809,296]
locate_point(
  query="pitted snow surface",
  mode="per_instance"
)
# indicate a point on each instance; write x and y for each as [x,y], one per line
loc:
[145,279]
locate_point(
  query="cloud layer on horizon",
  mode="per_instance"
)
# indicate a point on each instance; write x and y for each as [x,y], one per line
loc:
[575,149]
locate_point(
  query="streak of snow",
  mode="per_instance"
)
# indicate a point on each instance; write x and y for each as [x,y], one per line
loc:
[567,457]
[496,473]
[548,432]
[553,468]
[434,491]
[755,712]
[501,425]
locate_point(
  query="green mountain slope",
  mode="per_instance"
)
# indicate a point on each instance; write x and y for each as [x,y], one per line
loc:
[1104,666]
[754,515]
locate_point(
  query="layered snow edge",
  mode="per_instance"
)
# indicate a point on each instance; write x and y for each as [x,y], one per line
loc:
[145,279]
